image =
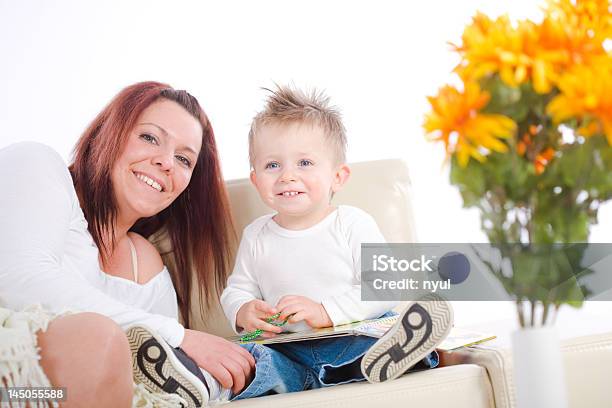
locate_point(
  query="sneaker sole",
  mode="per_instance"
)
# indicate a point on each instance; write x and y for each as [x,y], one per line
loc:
[419,329]
[159,370]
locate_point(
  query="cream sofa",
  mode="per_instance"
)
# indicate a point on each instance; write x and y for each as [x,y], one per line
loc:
[475,377]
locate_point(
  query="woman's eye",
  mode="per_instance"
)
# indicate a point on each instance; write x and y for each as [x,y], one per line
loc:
[149,138]
[184,160]
[304,162]
[272,165]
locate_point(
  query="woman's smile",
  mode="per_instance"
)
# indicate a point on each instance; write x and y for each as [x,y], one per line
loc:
[150,181]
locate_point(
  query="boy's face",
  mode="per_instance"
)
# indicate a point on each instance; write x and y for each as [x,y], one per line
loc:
[295,172]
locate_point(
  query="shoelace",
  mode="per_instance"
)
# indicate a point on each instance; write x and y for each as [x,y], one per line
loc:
[256,333]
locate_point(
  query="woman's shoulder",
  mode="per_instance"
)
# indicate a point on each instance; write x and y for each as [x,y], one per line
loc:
[34,152]
[149,259]
[29,157]
[35,166]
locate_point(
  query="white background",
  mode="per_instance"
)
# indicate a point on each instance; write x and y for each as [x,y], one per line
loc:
[62,61]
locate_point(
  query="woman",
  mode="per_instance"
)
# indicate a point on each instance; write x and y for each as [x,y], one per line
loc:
[75,239]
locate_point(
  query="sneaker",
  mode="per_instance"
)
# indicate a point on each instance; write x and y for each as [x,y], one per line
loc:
[155,365]
[419,329]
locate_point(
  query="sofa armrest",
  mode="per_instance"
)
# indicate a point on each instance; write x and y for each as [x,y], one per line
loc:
[587,361]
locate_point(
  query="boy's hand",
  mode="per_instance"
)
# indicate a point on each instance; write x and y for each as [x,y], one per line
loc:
[313,313]
[252,316]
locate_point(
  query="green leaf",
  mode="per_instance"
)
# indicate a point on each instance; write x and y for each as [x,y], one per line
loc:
[469,180]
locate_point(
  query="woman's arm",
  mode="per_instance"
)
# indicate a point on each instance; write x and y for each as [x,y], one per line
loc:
[36,215]
[229,363]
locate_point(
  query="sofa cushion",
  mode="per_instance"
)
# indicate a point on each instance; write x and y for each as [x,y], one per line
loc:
[458,387]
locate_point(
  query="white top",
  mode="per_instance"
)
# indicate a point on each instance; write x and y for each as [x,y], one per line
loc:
[322,262]
[47,255]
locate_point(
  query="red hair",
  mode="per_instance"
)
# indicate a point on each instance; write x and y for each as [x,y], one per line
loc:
[198,222]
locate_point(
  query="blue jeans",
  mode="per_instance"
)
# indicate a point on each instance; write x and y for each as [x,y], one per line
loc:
[305,365]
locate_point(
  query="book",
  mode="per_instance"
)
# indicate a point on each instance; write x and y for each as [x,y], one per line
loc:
[457,337]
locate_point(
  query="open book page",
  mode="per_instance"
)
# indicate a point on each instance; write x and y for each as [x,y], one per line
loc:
[326,332]
[374,328]
[457,337]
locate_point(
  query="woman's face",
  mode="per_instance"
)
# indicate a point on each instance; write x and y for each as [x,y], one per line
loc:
[157,161]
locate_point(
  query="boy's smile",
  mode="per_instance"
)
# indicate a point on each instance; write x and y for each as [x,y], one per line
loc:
[295,173]
[290,194]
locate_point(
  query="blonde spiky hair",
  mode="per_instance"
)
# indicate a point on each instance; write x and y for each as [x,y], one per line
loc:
[287,104]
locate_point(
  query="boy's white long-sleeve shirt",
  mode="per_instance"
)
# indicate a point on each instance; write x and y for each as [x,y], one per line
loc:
[47,255]
[322,263]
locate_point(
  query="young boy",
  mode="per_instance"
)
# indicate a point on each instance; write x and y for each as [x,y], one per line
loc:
[304,261]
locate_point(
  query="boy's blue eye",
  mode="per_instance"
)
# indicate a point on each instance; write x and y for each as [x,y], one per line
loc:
[305,162]
[272,165]
[149,138]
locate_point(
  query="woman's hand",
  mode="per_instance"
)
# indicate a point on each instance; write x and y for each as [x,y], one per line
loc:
[229,363]
[252,316]
[303,308]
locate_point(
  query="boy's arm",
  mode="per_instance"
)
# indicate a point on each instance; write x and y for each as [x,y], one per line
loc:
[242,286]
[348,307]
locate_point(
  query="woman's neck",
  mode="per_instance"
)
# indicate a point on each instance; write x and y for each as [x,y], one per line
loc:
[114,236]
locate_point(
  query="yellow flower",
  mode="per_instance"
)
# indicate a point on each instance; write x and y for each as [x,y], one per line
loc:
[586,94]
[592,17]
[576,31]
[495,46]
[539,53]
[455,120]
[490,46]
[543,159]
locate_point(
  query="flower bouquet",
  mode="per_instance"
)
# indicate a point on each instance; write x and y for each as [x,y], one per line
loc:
[528,136]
